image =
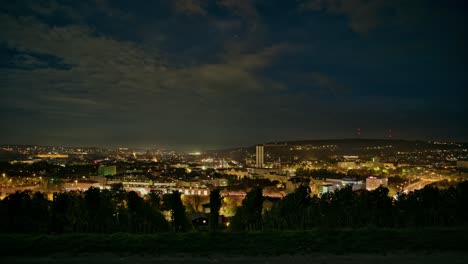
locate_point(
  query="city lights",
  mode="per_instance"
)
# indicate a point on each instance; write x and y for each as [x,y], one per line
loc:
[234,131]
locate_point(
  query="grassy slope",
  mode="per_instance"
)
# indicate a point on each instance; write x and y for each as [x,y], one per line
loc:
[103,258]
[379,241]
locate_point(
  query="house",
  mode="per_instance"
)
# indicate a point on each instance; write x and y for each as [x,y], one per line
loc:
[199,221]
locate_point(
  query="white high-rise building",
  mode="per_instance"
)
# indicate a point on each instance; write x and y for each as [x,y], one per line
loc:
[259,156]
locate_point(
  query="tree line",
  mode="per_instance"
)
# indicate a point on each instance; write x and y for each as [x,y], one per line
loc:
[92,211]
[345,208]
[115,210]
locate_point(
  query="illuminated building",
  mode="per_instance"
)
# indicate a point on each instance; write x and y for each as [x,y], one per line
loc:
[373,182]
[259,156]
[348,165]
[81,185]
[372,165]
[462,164]
[325,188]
[219,182]
[52,156]
[107,170]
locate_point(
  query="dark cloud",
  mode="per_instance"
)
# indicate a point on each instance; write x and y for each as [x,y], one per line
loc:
[223,73]
[189,7]
[243,8]
[326,83]
[364,15]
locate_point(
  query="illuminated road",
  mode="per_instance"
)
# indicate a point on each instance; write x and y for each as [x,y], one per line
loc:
[418,185]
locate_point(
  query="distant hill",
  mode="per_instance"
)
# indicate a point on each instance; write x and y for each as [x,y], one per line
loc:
[327,147]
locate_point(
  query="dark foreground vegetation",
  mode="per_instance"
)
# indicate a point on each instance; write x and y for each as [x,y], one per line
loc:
[99,222]
[429,207]
[114,211]
[416,258]
[345,208]
[333,241]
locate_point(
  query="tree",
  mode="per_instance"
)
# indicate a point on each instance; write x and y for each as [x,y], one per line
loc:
[154,199]
[173,202]
[289,213]
[215,205]
[135,211]
[92,201]
[193,203]
[249,215]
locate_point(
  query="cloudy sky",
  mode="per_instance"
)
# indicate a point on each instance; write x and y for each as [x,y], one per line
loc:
[214,73]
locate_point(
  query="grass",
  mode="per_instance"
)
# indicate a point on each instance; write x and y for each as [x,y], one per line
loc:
[358,241]
[452,258]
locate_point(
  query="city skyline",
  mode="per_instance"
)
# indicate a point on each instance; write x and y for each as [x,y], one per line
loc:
[234,131]
[191,74]
[200,148]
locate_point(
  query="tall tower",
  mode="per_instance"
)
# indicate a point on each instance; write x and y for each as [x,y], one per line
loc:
[259,156]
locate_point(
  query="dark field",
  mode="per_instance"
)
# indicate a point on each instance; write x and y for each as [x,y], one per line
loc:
[428,245]
[103,258]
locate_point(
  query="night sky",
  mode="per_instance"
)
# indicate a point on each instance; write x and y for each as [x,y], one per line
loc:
[216,73]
